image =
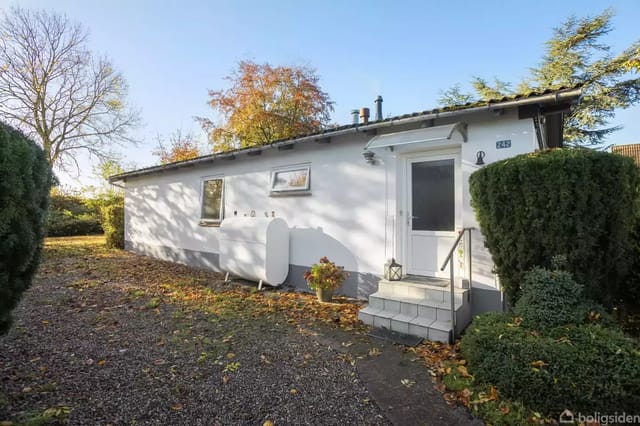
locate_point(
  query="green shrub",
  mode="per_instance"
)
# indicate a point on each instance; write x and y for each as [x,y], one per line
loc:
[549,299]
[583,368]
[60,224]
[25,179]
[573,202]
[113,224]
[71,214]
[629,310]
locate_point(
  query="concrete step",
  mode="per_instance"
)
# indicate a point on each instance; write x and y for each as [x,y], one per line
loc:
[420,291]
[428,328]
[428,308]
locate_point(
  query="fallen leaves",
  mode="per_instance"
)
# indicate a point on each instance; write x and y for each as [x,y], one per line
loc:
[231,367]
[265,360]
[348,358]
[374,352]
[538,364]
[407,383]
[151,283]
[463,371]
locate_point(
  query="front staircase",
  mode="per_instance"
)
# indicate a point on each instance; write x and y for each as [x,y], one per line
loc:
[419,306]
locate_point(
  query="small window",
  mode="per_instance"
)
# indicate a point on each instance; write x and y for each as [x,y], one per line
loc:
[212,200]
[290,180]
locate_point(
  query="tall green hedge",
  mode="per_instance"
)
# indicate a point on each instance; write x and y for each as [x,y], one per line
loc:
[578,203]
[71,214]
[113,224]
[25,179]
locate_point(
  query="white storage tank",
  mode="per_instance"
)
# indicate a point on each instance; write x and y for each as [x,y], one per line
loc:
[256,249]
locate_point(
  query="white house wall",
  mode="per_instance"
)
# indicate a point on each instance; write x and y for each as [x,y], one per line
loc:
[351,215]
[484,132]
[343,218]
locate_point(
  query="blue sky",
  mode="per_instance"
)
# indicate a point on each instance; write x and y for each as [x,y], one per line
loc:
[172,52]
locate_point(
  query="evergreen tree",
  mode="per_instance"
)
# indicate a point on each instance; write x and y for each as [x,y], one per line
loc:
[578,55]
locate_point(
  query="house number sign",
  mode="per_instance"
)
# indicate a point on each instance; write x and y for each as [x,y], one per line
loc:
[503,144]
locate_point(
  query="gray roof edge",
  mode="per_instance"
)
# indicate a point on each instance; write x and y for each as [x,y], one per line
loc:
[560,95]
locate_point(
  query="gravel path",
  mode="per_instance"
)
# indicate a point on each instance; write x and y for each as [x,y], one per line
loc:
[101,353]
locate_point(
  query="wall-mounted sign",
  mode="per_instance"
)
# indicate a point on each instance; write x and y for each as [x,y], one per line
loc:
[503,144]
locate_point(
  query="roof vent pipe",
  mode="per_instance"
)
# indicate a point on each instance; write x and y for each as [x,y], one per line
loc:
[355,114]
[378,102]
[364,115]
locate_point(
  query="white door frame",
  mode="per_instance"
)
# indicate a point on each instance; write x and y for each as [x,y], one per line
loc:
[404,183]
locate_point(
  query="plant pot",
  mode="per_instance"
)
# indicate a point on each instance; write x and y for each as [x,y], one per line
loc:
[324,294]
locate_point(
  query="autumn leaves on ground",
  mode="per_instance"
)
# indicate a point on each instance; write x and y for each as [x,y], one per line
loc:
[109,337]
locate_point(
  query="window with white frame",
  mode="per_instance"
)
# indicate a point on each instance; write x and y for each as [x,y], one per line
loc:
[212,200]
[291,180]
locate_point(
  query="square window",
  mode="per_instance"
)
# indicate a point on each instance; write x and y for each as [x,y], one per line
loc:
[291,180]
[212,200]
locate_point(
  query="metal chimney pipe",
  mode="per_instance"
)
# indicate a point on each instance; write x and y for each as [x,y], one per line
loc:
[364,115]
[378,102]
[355,115]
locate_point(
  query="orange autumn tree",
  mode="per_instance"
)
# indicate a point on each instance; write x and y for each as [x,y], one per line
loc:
[265,104]
[179,148]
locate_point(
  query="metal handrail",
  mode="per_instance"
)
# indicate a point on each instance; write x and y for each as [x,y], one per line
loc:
[449,260]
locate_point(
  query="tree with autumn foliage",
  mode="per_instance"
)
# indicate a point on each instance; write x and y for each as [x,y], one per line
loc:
[180,147]
[265,104]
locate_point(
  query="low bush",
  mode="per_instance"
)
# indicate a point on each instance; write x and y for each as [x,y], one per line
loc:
[549,299]
[113,224]
[583,368]
[25,179]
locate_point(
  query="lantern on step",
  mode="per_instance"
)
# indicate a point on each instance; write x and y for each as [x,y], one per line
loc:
[392,271]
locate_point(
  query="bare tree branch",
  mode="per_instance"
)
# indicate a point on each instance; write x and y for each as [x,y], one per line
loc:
[55,90]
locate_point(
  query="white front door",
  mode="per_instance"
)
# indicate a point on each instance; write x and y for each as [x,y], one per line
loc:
[432,211]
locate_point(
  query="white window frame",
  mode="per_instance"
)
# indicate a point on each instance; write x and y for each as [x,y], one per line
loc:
[203,181]
[290,191]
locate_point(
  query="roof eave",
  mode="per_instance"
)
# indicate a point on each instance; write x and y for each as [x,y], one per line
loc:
[570,95]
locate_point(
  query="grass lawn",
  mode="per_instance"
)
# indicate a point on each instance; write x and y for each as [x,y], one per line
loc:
[109,337]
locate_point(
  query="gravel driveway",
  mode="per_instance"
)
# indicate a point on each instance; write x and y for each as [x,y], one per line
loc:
[106,337]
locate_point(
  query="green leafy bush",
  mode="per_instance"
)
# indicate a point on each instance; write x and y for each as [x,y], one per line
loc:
[573,202]
[113,224]
[583,368]
[325,275]
[25,179]
[549,299]
[72,214]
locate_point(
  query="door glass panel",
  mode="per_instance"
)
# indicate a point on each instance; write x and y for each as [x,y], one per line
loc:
[433,195]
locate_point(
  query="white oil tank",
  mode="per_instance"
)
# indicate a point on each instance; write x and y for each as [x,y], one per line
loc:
[256,249]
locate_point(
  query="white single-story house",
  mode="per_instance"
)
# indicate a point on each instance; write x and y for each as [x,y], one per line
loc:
[360,194]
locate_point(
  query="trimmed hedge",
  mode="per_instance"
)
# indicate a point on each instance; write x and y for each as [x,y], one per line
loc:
[25,179]
[113,224]
[584,368]
[578,203]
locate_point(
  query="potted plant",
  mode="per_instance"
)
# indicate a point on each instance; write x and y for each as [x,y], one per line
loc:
[325,278]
